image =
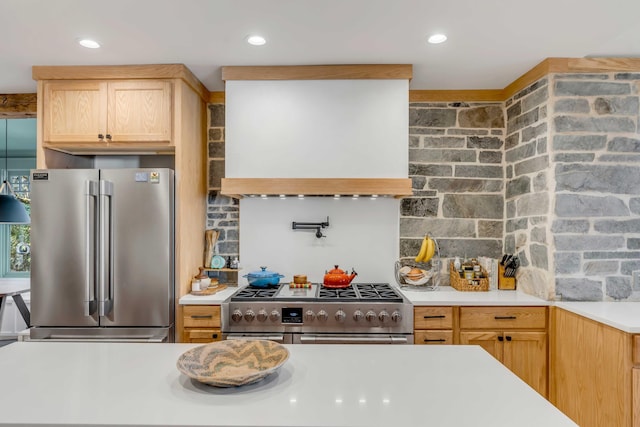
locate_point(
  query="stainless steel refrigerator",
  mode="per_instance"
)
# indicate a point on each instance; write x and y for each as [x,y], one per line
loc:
[102,265]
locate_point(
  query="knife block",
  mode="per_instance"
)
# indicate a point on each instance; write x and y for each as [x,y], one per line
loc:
[505,283]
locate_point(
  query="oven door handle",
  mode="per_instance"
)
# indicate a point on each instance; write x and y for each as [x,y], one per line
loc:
[279,338]
[332,339]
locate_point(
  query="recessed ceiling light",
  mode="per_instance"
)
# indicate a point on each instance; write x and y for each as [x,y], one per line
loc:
[256,40]
[91,44]
[437,38]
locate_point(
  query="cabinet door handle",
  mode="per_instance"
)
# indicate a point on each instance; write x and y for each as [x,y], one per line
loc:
[214,336]
[100,136]
[504,317]
[508,338]
[440,316]
[109,137]
[434,340]
[500,338]
[202,316]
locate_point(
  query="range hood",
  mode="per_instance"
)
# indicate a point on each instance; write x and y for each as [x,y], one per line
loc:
[326,130]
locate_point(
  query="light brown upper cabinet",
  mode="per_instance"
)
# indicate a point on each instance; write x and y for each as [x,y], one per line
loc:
[107,114]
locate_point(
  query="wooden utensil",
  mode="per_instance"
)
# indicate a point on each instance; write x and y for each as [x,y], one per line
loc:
[210,239]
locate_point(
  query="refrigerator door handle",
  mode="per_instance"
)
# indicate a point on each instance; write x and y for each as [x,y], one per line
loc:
[105,259]
[91,204]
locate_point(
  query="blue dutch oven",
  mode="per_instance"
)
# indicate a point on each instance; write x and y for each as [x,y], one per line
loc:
[263,279]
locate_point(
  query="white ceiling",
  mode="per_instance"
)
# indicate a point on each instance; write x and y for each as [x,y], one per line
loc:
[491,42]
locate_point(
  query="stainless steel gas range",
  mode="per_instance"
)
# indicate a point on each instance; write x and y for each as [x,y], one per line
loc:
[364,313]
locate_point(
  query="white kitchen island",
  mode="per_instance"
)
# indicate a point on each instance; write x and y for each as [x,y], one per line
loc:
[114,384]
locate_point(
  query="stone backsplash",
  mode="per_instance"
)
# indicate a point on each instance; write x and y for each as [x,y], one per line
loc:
[456,166]
[222,211]
[527,196]
[596,166]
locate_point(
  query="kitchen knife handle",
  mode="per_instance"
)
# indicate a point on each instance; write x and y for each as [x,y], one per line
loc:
[504,317]
[439,316]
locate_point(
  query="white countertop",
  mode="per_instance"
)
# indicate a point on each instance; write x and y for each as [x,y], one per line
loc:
[214,299]
[446,295]
[117,384]
[624,316]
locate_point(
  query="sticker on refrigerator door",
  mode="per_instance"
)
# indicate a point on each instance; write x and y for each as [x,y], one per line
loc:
[40,176]
[142,177]
[154,177]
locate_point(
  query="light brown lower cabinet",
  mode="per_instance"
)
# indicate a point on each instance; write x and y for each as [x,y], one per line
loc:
[523,352]
[593,377]
[201,323]
[516,336]
[433,325]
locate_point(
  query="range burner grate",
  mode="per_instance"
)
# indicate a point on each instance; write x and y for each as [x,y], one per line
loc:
[361,292]
[250,293]
[342,293]
[377,291]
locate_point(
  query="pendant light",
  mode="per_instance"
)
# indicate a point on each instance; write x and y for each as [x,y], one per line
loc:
[12,211]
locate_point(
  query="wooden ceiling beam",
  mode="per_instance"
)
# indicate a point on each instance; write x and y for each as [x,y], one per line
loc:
[18,106]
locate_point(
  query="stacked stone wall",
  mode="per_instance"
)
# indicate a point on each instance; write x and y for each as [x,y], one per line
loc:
[596,162]
[456,166]
[222,211]
[527,192]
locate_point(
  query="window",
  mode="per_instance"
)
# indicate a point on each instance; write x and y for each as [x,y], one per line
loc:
[17,158]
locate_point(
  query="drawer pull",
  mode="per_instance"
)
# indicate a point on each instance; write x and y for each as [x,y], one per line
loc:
[435,340]
[508,338]
[202,316]
[504,317]
[439,316]
[214,336]
[500,338]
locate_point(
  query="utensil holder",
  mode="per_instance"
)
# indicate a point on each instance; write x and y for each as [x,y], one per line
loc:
[505,283]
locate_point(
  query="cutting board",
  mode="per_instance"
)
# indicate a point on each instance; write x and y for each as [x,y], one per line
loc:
[210,290]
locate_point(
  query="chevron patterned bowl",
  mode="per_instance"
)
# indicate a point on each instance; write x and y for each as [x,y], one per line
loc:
[232,363]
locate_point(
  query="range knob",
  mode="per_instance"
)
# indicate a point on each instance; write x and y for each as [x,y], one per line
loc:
[262,315]
[309,315]
[249,315]
[358,315]
[370,316]
[396,316]
[383,316]
[274,316]
[236,316]
[322,315]
[340,315]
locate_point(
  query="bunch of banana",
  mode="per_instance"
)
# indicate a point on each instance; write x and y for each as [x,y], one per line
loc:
[427,250]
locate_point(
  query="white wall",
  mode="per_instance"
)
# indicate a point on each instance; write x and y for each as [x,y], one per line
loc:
[316,129]
[363,234]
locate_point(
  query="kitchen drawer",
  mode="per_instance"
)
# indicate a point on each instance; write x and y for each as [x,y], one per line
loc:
[201,316]
[433,337]
[433,318]
[503,317]
[201,335]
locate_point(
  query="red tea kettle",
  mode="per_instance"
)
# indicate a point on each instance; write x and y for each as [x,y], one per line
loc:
[337,278]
